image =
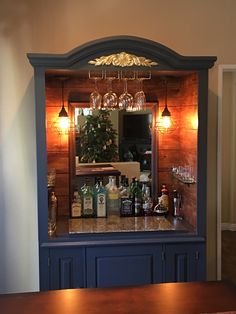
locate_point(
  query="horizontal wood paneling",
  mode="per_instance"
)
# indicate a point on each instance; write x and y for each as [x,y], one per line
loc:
[176,148]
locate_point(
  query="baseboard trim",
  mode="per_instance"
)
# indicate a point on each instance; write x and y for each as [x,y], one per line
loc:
[228,226]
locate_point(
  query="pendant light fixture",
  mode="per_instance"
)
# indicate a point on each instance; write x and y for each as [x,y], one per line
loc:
[166,115]
[165,122]
[62,124]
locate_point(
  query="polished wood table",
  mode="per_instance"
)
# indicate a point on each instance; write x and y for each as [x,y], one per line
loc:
[184,298]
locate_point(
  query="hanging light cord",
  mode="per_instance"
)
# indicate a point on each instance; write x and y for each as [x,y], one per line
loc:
[166,112]
[63,112]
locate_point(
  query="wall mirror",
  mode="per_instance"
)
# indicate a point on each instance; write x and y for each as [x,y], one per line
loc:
[119,137]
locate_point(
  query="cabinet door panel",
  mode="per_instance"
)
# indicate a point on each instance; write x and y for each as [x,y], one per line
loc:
[66,268]
[184,262]
[122,266]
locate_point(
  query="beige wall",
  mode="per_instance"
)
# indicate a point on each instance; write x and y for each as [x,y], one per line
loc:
[226,147]
[228,182]
[190,27]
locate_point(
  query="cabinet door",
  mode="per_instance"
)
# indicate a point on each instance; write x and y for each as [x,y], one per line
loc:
[124,265]
[184,262]
[66,268]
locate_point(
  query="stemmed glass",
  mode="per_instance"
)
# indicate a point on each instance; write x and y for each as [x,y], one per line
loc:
[95,97]
[139,97]
[110,98]
[126,100]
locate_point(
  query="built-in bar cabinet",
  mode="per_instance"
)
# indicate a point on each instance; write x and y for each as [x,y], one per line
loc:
[106,252]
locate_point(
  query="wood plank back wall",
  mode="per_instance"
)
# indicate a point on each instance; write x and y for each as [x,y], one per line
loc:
[177,148]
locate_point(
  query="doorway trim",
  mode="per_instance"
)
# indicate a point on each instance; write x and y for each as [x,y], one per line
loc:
[221,69]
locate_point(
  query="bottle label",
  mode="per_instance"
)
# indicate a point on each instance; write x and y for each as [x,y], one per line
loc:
[101,205]
[126,207]
[164,201]
[76,210]
[113,196]
[88,206]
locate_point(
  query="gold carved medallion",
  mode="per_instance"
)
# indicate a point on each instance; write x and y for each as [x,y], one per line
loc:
[123,59]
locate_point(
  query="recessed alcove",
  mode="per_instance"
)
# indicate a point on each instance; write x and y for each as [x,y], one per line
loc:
[178,147]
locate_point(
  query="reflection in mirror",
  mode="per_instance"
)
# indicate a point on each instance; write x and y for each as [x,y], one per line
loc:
[113,136]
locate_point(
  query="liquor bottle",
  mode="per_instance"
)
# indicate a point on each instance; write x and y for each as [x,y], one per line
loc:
[96,183]
[52,214]
[176,204]
[113,199]
[76,206]
[137,199]
[132,185]
[122,182]
[144,185]
[100,200]
[126,208]
[147,203]
[87,202]
[164,199]
[109,182]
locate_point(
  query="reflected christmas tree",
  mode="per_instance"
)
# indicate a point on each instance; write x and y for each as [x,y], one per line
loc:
[98,139]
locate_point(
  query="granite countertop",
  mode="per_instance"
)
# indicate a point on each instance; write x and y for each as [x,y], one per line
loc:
[119,224]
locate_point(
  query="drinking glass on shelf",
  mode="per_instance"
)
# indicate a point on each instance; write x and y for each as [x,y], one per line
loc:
[126,100]
[51,177]
[95,97]
[110,98]
[139,98]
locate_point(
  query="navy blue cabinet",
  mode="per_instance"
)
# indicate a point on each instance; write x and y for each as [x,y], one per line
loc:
[66,268]
[124,265]
[184,262]
[104,260]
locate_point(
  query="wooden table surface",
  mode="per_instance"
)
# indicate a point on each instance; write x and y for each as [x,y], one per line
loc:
[184,298]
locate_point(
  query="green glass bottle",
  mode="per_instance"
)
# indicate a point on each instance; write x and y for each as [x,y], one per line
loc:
[137,199]
[87,202]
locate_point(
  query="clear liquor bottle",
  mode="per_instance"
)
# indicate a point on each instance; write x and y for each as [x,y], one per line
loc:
[76,206]
[52,214]
[113,199]
[100,200]
[147,203]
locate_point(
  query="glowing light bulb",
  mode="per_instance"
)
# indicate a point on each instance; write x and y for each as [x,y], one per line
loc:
[64,123]
[166,122]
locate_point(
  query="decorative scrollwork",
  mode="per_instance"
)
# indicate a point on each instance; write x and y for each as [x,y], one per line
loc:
[123,59]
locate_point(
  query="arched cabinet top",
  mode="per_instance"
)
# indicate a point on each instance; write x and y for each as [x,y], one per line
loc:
[79,57]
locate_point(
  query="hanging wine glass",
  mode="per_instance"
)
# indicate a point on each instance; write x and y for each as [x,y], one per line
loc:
[110,98]
[126,100]
[139,98]
[95,97]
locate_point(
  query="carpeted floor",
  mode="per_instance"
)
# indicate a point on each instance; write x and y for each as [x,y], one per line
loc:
[229,256]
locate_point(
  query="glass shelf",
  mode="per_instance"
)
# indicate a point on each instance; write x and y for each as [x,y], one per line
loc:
[184,180]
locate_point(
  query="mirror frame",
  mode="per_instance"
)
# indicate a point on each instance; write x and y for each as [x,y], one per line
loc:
[154,146]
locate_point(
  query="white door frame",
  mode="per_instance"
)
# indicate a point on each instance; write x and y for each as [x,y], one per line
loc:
[221,69]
